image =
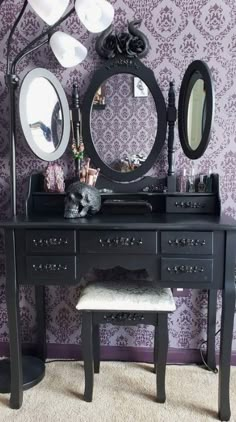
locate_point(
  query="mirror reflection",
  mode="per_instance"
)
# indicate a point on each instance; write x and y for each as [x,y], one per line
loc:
[196,112]
[123,122]
[44,114]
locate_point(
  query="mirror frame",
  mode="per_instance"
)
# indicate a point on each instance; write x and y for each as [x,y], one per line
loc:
[184,95]
[112,67]
[44,73]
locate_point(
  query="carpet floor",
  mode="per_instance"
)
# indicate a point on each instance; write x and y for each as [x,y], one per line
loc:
[123,392]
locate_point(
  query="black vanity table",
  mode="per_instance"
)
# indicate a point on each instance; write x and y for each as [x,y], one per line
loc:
[182,241]
[185,251]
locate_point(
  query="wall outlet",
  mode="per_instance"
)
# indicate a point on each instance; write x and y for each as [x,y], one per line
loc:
[181,292]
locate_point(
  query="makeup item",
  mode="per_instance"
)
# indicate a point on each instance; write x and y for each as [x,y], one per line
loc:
[183,181]
[208,182]
[201,187]
[95,177]
[191,181]
[83,175]
[91,174]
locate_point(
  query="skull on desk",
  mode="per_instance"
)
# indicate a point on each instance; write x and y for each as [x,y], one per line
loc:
[81,199]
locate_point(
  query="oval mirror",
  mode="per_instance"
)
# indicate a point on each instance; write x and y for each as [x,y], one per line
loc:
[196,109]
[44,114]
[124,121]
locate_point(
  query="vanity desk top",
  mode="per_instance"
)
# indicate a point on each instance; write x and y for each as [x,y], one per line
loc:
[147,222]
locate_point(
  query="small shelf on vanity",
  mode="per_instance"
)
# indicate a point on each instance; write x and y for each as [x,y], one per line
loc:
[43,203]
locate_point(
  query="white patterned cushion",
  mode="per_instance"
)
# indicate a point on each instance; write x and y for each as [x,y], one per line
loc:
[135,296]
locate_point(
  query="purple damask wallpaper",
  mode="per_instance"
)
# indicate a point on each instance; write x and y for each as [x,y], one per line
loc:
[179,32]
[127,125]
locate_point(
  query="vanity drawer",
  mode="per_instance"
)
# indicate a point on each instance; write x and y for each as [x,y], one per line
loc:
[186,269]
[127,242]
[176,242]
[53,268]
[192,204]
[50,241]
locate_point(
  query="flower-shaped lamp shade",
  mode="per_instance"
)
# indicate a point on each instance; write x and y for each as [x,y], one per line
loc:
[68,51]
[96,15]
[49,10]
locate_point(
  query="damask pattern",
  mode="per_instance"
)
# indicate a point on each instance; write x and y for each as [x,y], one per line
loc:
[179,31]
[127,125]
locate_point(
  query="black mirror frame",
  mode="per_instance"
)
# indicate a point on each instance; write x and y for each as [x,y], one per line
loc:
[44,73]
[135,67]
[185,91]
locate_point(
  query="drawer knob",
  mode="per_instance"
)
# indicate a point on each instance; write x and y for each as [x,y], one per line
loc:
[189,204]
[120,242]
[51,241]
[186,242]
[186,269]
[49,268]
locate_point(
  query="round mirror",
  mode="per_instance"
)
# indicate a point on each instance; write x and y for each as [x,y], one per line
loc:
[44,114]
[195,114]
[124,120]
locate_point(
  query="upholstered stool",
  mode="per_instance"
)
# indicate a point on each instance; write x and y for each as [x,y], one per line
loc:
[124,304]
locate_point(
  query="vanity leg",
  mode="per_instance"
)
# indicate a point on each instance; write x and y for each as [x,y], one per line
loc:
[155,349]
[161,356]
[211,328]
[41,325]
[96,348]
[227,323]
[12,300]
[87,348]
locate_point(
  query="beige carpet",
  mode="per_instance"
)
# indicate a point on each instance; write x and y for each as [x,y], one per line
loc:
[123,392]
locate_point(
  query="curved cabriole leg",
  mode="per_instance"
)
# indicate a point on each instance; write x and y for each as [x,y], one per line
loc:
[211,329]
[96,348]
[87,348]
[227,323]
[161,356]
[12,299]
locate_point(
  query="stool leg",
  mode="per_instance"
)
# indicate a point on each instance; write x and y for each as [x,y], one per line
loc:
[161,356]
[87,348]
[96,348]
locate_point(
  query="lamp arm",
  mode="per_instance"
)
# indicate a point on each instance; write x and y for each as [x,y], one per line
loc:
[12,33]
[28,52]
[31,46]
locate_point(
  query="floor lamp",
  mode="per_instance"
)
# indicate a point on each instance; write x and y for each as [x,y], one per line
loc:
[96,16]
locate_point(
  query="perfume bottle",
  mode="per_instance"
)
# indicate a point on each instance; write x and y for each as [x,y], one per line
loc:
[183,181]
[209,182]
[201,187]
[191,181]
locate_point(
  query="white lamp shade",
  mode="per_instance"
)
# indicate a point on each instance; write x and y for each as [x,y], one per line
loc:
[96,15]
[68,51]
[49,10]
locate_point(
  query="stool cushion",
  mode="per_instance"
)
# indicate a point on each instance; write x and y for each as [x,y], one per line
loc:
[135,296]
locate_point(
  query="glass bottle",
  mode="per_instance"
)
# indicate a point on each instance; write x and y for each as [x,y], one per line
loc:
[183,181]
[191,181]
[209,182]
[201,187]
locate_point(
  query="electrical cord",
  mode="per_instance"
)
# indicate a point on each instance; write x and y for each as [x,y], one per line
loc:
[214,370]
